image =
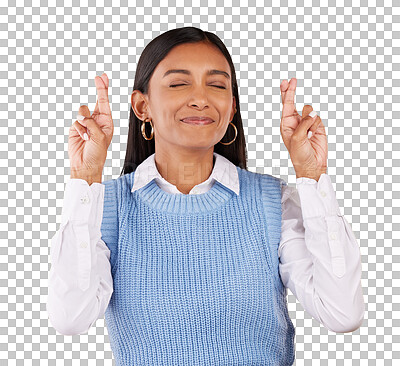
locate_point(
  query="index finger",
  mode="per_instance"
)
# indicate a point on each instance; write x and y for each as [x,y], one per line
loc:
[103,104]
[288,98]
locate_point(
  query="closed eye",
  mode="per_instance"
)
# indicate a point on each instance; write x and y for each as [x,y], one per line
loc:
[217,86]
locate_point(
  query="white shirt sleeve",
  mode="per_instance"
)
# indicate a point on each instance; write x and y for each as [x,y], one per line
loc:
[80,281]
[320,259]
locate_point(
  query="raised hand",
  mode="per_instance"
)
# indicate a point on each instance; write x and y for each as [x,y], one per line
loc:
[309,155]
[90,137]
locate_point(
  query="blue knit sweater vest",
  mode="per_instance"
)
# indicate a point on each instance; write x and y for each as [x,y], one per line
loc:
[196,277]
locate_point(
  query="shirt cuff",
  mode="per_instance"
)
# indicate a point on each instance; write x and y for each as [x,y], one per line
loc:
[78,199]
[98,194]
[318,199]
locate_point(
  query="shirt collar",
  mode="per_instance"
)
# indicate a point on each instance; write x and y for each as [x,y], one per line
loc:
[224,171]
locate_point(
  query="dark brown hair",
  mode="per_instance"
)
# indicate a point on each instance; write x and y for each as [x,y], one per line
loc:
[138,149]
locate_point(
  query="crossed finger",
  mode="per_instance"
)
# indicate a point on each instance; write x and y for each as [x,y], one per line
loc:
[288,91]
[102,104]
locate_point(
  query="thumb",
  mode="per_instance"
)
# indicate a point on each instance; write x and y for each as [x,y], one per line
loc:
[305,126]
[92,128]
[306,111]
[308,120]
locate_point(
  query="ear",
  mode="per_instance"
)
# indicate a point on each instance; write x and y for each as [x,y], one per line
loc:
[139,105]
[233,112]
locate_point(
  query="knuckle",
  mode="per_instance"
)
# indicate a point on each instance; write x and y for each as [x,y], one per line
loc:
[102,99]
[295,137]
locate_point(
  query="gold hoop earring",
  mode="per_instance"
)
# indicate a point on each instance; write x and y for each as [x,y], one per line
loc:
[228,143]
[144,130]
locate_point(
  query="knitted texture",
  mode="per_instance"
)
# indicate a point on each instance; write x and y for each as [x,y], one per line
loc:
[196,277]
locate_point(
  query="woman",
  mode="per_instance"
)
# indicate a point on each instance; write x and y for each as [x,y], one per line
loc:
[188,254]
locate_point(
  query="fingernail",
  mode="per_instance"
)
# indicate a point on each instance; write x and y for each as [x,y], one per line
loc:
[85,136]
[80,117]
[309,134]
[313,114]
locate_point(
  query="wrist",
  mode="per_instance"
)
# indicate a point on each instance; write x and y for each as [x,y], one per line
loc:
[89,176]
[304,176]
[316,177]
[310,174]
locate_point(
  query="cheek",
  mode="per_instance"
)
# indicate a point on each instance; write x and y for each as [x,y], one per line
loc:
[227,104]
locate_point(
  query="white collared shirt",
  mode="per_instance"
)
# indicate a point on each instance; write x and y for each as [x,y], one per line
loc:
[319,256]
[224,172]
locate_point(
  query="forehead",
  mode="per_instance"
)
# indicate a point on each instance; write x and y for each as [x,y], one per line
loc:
[195,57]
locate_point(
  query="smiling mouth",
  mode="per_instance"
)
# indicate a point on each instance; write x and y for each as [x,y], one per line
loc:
[197,122]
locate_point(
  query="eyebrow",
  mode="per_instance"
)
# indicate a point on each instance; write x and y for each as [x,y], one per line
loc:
[187,72]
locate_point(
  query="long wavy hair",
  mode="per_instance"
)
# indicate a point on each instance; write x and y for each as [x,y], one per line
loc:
[138,149]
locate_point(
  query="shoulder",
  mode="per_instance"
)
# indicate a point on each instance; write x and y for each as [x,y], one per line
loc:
[119,184]
[264,179]
[117,189]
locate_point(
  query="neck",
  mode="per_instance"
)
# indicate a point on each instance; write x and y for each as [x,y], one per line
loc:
[185,170]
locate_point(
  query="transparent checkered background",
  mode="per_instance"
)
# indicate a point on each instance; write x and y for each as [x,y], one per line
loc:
[344,59]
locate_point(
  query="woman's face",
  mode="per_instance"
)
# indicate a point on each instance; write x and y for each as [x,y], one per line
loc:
[197,91]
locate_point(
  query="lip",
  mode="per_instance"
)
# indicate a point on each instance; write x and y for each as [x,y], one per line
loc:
[197,120]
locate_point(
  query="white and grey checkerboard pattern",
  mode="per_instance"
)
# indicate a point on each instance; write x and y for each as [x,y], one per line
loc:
[344,59]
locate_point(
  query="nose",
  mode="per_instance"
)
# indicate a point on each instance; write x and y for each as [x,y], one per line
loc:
[198,97]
